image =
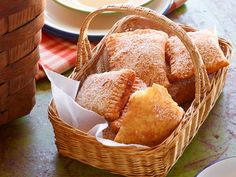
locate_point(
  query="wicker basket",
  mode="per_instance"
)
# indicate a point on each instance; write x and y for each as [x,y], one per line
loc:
[20,34]
[133,161]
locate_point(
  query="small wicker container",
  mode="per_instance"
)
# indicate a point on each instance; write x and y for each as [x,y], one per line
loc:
[133,161]
[20,34]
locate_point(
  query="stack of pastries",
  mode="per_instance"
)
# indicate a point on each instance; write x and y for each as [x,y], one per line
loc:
[150,76]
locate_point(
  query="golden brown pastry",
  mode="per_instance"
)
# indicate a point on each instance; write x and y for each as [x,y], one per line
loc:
[180,63]
[108,133]
[182,91]
[115,125]
[138,85]
[142,50]
[150,117]
[107,93]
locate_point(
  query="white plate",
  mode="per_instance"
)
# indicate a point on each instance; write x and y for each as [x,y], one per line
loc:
[91,5]
[66,22]
[223,168]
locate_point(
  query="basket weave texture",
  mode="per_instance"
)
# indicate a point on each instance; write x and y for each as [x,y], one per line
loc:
[133,161]
[20,34]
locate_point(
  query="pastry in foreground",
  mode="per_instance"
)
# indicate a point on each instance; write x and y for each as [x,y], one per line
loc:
[180,63]
[138,85]
[142,50]
[107,93]
[150,117]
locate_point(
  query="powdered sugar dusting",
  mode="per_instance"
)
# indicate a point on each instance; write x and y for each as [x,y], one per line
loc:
[152,108]
[105,93]
[208,46]
[140,50]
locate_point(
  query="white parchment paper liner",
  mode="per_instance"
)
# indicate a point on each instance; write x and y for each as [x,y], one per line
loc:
[64,92]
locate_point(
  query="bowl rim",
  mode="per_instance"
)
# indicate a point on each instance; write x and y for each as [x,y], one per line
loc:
[213,163]
[92,37]
[89,11]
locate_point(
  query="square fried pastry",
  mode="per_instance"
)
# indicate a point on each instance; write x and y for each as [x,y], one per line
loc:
[142,50]
[150,117]
[180,62]
[107,93]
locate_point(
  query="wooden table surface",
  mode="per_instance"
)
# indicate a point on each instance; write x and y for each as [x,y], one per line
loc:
[27,145]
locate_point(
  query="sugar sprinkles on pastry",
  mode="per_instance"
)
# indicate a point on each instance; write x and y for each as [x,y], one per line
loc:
[107,93]
[207,43]
[150,117]
[142,50]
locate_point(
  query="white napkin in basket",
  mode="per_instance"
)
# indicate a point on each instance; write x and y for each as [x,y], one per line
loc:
[64,92]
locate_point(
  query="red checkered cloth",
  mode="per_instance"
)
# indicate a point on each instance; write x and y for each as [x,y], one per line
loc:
[59,55]
[56,54]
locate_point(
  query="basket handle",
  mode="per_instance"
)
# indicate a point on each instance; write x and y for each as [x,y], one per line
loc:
[201,76]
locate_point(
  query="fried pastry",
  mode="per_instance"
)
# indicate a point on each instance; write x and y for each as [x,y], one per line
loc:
[138,85]
[182,91]
[180,63]
[150,117]
[142,50]
[116,124]
[107,93]
[108,133]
